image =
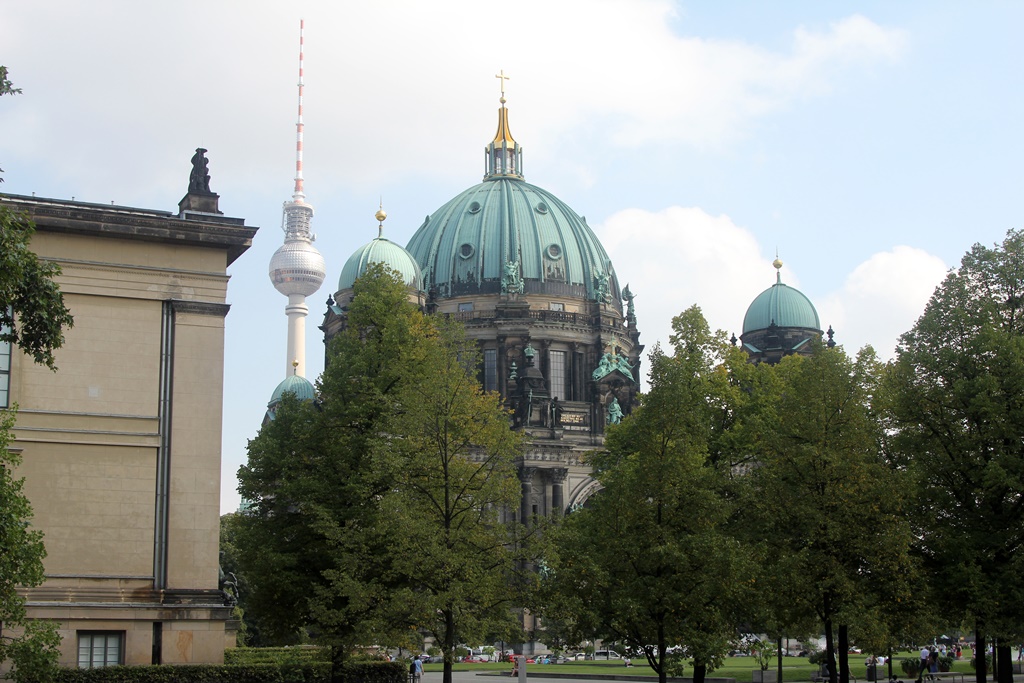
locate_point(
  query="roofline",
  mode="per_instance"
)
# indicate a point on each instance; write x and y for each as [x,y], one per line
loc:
[100,220]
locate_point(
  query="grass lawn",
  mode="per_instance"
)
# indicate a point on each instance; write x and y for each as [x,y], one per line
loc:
[796,669]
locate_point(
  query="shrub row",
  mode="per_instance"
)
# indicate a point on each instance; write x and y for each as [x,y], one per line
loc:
[276,655]
[308,672]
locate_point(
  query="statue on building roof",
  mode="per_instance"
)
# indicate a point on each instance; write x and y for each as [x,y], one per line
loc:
[199,179]
[601,287]
[628,297]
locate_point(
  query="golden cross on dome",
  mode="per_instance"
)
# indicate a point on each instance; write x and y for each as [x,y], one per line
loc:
[501,75]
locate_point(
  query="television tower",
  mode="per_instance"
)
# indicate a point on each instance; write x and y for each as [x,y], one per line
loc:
[297,269]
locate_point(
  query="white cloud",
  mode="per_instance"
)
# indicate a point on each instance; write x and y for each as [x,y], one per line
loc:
[393,88]
[681,256]
[882,298]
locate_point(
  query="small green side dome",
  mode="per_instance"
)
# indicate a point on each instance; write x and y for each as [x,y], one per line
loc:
[783,305]
[296,384]
[382,251]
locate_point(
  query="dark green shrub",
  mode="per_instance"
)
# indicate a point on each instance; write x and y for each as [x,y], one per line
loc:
[910,666]
[363,671]
[276,655]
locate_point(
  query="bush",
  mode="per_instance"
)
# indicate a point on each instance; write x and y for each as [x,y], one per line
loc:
[276,655]
[910,666]
[285,672]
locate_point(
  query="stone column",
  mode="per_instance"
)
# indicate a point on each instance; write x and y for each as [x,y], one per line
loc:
[558,475]
[526,506]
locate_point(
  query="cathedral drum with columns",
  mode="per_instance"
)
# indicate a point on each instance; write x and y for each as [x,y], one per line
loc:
[532,284]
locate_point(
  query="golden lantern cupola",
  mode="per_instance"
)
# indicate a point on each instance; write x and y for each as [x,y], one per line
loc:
[503,157]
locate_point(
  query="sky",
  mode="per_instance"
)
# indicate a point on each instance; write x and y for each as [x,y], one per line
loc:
[868,144]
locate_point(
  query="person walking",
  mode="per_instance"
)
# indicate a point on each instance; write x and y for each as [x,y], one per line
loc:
[417,670]
[923,664]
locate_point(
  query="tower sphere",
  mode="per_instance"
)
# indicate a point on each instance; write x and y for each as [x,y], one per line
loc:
[297,268]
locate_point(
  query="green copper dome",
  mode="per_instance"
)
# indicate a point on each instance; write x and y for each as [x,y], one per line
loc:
[462,248]
[296,384]
[383,251]
[782,305]
[505,225]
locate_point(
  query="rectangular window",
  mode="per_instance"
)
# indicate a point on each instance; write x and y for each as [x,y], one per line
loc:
[5,372]
[465,306]
[556,361]
[490,370]
[100,648]
[556,306]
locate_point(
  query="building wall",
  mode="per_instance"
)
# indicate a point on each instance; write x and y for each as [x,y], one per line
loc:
[121,446]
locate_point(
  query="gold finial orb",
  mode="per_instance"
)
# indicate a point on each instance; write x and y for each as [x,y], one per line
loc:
[777,263]
[380,215]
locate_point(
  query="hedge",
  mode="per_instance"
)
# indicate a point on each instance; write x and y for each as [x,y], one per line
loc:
[307,672]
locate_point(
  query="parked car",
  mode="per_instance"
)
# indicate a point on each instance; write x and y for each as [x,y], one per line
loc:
[606,654]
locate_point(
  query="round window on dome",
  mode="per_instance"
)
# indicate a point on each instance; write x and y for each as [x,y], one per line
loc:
[541,208]
[466,250]
[554,252]
[474,207]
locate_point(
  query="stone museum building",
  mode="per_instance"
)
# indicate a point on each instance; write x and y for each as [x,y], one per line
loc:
[121,446]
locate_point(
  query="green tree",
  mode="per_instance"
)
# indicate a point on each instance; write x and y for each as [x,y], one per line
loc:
[32,311]
[32,317]
[30,646]
[458,455]
[826,503]
[314,544]
[652,561]
[376,506]
[957,386]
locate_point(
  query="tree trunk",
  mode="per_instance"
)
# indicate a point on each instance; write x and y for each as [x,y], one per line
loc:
[780,659]
[844,654]
[700,672]
[980,657]
[337,664]
[662,648]
[1004,663]
[830,648]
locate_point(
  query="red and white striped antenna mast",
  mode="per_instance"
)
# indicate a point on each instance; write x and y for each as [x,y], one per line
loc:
[297,269]
[299,195]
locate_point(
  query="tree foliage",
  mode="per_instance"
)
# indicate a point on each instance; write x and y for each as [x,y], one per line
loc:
[958,404]
[651,561]
[32,317]
[458,474]
[374,508]
[30,646]
[32,311]
[826,503]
